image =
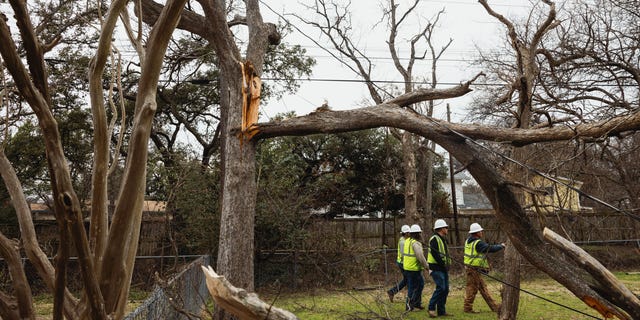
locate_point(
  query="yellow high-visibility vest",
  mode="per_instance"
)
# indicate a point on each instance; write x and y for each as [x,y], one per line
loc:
[442,251]
[400,248]
[474,258]
[409,260]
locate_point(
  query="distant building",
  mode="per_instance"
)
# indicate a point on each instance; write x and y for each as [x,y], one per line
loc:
[551,196]
[458,181]
[41,211]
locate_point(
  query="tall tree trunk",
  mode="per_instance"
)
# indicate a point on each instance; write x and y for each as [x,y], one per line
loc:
[426,154]
[510,294]
[410,183]
[235,246]
[510,290]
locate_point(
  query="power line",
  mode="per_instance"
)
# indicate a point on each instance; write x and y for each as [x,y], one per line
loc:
[540,173]
[322,47]
[536,295]
[355,80]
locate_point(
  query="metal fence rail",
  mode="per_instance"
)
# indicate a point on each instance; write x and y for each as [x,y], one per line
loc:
[182,297]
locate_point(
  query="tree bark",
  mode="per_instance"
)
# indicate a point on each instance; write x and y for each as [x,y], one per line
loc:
[22,307]
[592,266]
[410,178]
[510,293]
[119,257]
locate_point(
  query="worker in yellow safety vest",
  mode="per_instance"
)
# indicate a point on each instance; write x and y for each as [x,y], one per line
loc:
[475,261]
[439,263]
[413,263]
[404,233]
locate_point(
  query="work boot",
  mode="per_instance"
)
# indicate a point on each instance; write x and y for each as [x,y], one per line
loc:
[432,314]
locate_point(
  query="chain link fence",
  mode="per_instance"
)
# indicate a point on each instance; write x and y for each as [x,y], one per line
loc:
[182,297]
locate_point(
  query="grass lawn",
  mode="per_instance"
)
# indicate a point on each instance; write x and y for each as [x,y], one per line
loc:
[374,303]
[43,303]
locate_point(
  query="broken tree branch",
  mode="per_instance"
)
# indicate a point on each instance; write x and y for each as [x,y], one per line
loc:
[239,302]
[596,269]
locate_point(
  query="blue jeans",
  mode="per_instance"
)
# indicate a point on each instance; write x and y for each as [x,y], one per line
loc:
[400,284]
[415,284]
[439,297]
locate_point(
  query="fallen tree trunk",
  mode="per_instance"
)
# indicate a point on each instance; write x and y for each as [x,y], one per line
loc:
[484,166]
[593,266]
[239,302]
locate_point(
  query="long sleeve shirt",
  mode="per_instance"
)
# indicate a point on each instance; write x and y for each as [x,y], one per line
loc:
[483,247]
[417,248]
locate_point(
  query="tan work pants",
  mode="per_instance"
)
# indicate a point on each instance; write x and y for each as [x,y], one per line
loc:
[475,283]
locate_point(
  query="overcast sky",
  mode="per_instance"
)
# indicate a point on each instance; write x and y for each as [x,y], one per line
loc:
[464,21]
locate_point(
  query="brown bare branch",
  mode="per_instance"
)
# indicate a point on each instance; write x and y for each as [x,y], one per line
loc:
[389,115]
[32,249]
[9,249]
[127,216]
[189,20]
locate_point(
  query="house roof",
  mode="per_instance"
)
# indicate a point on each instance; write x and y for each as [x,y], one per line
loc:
[41,210]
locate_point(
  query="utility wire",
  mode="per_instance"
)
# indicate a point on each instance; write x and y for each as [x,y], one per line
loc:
[538,172]
[322,47]
[525,291]
[530,293]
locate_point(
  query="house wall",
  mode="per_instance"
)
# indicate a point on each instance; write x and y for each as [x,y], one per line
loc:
[446,186]
[559,196]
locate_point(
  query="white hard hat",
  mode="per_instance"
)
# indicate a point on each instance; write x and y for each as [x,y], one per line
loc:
[405,229]
[415,228]
[440,223]
[475,227]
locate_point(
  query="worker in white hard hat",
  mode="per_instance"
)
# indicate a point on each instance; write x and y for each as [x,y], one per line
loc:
[414,263]
[404,233]
[475,261]
[439,262]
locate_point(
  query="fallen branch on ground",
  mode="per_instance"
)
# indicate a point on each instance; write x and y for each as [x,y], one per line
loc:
[239,302]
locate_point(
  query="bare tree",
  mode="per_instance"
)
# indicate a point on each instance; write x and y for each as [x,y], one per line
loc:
[107,264]
[335,23]
[521,85]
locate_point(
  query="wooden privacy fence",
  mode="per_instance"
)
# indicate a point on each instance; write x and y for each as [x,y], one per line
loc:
[153,240]
[582,227]
[378,233]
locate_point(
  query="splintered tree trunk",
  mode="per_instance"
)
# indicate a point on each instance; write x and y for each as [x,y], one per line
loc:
[510,295]
[235,249]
